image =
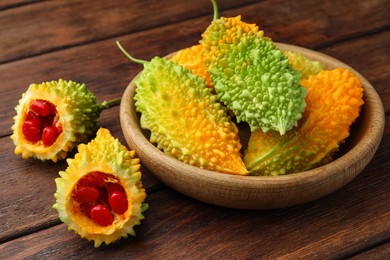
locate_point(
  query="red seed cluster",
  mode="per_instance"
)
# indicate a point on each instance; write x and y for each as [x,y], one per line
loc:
[100,196]
[40,123]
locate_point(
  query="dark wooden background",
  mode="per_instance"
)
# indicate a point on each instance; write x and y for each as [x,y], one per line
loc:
[48,40]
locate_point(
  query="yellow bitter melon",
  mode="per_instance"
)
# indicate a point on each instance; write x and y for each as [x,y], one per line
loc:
[100,195]
[333,104]
[184,117]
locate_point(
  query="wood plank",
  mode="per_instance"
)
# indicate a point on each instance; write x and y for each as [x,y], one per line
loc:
[26,193]
[74,22]
[377,253]
[6,4]
[316,24]
[28,207]
[107,72]
[180,227]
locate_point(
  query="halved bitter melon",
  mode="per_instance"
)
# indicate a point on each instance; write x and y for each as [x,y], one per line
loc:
[53,117]
[100,195]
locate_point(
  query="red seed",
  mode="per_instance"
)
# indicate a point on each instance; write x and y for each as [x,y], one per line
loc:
[101,215]
[30,115]
[86,194]
[32,129]
[40,107]
[32,134]
[118,202]
[53,109]
[49,135]
[96,179]
[111,187]
[33,122]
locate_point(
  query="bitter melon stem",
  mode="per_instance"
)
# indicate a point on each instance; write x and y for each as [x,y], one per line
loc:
[111,103]
[129,56]
[215,7]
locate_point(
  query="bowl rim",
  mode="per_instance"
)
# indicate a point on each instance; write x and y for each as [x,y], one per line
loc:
[303,181]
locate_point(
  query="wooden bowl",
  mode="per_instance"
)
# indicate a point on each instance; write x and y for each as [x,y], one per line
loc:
[263,192]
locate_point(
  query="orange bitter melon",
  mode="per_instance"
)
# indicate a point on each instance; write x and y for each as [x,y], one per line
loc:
[192,58]
[333,102]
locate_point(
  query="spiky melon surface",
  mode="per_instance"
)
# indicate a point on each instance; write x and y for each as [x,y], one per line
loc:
[78,112]
[333,103]
[303,64]
[185,119]
[251,76]
[192,58]
[103,154]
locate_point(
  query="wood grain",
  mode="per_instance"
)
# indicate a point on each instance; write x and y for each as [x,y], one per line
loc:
[324,22]
[7,4]
[65,27]
[377,253]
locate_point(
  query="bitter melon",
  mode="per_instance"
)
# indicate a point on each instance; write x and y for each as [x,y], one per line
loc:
[333,103]
[251,76]
[54,117]
[184,117]
[100,195]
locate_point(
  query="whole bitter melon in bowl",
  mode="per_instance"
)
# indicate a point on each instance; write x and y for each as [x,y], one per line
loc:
[184,117]
[252,76]
[333,102]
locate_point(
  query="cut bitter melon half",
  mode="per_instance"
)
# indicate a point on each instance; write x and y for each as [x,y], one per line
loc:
[100,195]
[53,117]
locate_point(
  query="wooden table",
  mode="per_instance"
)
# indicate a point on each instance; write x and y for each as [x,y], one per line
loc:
[75,39]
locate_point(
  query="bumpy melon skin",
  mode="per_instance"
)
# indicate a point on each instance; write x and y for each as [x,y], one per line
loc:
[78,113]
[103,154]
[251,76]
[192,58]
[333,103]
[185,119]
